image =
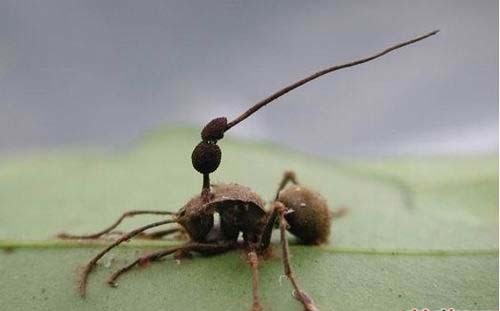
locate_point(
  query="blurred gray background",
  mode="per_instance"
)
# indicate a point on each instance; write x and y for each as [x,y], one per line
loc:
[103,73]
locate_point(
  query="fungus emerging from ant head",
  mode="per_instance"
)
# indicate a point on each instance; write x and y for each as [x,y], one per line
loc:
[300,210]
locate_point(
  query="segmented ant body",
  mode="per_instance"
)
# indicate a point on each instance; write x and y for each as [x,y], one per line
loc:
[298,209]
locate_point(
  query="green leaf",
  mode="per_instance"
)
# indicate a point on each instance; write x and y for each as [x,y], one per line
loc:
[420,232]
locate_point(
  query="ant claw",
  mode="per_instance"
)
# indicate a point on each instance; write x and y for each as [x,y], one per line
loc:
[257,307]
[305,300]
[65,236]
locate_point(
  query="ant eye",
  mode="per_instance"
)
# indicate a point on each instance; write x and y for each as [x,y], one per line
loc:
[181,212]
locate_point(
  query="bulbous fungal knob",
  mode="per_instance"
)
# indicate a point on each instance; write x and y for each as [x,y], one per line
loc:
[206,157]
[214,130]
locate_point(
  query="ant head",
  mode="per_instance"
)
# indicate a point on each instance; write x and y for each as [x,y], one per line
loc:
[196,221]
[309,218]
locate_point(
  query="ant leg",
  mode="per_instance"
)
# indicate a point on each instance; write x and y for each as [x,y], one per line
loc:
[114,225]
[159,234]
[265,240]
[254,264]
[82,283]
[288,176]
[155,235]
[206,248]
[301,296]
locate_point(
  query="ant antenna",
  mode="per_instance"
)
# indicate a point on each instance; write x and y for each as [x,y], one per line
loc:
[206,156]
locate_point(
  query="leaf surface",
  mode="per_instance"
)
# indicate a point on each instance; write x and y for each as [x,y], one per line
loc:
[420,232]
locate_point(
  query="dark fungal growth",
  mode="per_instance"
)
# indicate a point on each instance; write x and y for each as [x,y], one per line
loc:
[214,130]
[206,157]
[244,223]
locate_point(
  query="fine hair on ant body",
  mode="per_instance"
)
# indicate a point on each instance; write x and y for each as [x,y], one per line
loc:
[298,209]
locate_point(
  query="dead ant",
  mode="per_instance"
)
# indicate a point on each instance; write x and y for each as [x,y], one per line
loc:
[301,211]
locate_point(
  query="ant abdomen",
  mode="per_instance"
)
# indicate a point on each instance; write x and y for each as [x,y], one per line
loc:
[309,217]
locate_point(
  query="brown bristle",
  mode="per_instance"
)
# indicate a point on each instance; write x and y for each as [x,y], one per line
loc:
[206,157]
[214,130]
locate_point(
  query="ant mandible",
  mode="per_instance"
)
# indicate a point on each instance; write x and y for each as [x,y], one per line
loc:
[296,208]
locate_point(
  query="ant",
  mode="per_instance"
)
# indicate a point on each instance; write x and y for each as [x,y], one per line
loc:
[296,208]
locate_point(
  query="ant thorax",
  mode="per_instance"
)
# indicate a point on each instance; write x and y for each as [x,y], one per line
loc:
[240,210]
